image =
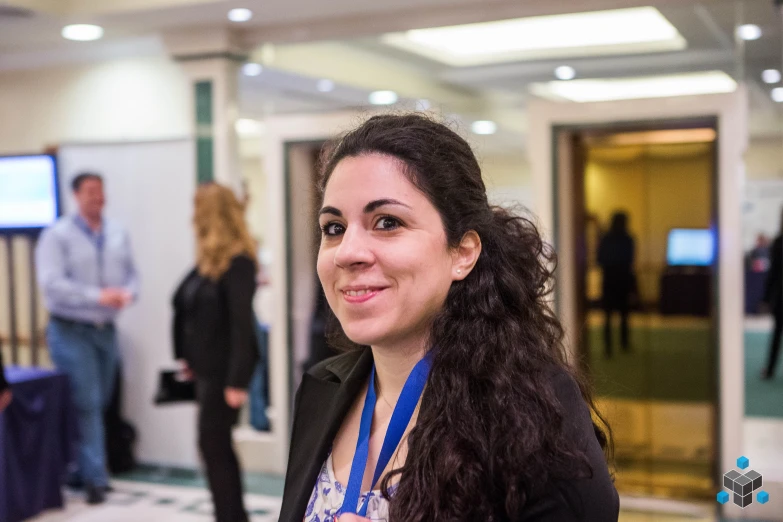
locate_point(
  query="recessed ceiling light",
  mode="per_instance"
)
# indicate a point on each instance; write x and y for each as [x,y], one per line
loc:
[240,14]
[620,31]
[484,127]
[383,97]
[749,32]
[423,105]
[771,76]
[82,32]
[610,89]
[325,85]
[777,94]
[252,69]
[565,72]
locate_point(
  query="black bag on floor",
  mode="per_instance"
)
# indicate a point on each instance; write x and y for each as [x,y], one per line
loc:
[120,434]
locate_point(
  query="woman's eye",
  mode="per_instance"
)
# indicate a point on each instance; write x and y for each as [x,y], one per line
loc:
[387,223]
[332,229]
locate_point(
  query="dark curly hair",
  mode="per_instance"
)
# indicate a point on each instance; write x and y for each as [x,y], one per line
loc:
[489,430]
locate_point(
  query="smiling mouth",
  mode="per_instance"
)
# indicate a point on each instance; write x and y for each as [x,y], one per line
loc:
[361,295]
[358,293]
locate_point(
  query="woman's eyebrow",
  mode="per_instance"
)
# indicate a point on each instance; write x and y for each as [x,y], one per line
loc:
[369,207]
[373,205]
[330,210]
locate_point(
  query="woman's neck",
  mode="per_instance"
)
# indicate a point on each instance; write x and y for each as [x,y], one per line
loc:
[392,368]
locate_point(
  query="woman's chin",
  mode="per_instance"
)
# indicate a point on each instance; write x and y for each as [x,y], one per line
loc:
[364,336]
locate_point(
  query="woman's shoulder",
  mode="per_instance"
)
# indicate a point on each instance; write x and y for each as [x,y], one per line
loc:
[338,366]
[243,260]
[578,497]
[575,411]
[241,265]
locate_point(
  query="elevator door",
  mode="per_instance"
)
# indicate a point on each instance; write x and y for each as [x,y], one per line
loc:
[645,271]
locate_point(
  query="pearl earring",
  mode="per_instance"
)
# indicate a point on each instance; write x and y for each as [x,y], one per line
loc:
[459,271]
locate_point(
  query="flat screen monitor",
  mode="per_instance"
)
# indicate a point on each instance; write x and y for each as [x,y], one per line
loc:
[690,247]
[28,192]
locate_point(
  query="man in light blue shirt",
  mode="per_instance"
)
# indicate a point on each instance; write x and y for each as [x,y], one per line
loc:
[86,272]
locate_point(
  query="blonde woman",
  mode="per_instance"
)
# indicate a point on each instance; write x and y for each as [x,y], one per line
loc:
[214,336]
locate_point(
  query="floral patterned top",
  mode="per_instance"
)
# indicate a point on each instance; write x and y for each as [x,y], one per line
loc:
[328,495]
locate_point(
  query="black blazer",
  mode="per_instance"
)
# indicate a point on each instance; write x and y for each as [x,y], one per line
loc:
[773,294]
[329,389]
[3,382]
[214,326]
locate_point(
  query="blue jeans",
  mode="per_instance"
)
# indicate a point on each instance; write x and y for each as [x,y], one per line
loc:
[259,383]
[89,357]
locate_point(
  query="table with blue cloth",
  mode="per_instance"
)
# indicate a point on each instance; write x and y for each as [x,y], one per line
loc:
[37,437]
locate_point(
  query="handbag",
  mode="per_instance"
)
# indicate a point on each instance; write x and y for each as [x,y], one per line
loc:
[171,388]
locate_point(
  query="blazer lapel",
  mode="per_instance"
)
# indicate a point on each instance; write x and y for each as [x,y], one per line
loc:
[321,406]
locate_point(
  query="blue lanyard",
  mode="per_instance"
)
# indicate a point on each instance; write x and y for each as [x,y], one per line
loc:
[401,417]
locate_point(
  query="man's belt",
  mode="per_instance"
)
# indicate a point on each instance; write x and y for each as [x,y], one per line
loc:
[97,325]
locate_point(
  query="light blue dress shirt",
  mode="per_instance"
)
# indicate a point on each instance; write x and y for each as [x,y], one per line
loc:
[74,263]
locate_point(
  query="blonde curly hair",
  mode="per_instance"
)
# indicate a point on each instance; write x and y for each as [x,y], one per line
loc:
[221,231]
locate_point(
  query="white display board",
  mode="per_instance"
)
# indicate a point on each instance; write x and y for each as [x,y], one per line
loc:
[761,210]
[149,189]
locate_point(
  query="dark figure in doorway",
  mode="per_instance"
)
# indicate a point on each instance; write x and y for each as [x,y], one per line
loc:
[319,344]
[773,298]
[615,256]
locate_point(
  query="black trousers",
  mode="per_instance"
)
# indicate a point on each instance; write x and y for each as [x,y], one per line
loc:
[774,348]
[215,420]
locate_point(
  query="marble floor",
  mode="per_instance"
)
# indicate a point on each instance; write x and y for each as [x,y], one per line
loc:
[134,501]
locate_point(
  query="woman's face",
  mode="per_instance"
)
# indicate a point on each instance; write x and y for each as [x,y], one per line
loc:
[384,262]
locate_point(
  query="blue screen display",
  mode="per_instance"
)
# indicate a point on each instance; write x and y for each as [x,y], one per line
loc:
[28,192]
[690,247]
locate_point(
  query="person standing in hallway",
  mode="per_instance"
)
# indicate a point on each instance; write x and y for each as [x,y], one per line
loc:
[87,275]
[773,299]
[215,337]
[615,257]
[5,390]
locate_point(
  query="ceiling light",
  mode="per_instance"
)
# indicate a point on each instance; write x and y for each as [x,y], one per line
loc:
[777,94]
[252,69]
[620,31]
[383,97]
[325,85]
[423,105]
[749,32]
[82,32]
[484,127]
[633,88]
[240,14]
[564,72]
[248,127]
[771,76]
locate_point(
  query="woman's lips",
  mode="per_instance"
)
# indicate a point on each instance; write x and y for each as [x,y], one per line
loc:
[362,298]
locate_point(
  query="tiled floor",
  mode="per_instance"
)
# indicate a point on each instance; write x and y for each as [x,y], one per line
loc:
[148,502]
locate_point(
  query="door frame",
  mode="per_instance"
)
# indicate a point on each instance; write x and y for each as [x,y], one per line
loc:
[269,451]
[730,111]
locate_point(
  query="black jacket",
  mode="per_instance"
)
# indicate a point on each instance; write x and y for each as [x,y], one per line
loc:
[329,389]
[773,294]
[3,382]
[214,325]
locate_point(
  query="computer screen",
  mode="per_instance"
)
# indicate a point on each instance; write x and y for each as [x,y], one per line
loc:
[690,247]
[28,192]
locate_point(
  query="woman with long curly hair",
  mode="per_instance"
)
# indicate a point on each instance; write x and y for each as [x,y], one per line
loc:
[454,400]
[215,339]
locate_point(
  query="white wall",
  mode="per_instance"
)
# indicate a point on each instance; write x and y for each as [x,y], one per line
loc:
[149,189]
[133,99]
[508,180]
